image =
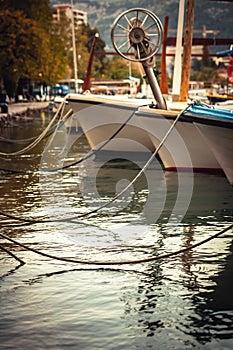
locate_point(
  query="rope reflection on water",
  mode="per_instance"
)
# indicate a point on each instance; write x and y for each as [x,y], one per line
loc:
[181,302]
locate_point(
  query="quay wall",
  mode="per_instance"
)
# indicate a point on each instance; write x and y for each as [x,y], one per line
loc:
[20,110]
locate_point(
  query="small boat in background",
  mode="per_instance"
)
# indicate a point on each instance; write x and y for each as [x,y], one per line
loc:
[219,98]
[227,91]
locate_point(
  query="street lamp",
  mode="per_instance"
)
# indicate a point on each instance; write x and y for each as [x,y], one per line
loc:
[74,47]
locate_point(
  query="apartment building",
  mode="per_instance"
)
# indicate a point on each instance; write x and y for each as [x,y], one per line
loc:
[80,17]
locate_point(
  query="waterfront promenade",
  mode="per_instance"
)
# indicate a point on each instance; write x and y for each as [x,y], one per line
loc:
[21,109]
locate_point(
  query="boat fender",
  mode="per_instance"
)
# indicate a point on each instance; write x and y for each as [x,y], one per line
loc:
[229,71]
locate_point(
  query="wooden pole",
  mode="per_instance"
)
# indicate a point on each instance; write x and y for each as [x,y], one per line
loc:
[178,55]
[186,64]
[74,48]
[163,79]
[87,79]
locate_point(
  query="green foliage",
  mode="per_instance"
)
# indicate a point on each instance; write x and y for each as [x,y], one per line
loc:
[205,69]
[39,11]
[30,47]
[19,37]
[33,47]
[118,68]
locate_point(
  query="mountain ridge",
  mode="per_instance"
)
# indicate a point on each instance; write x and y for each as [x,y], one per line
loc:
[216,16]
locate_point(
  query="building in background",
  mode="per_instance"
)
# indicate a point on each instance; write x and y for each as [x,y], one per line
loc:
[80,17]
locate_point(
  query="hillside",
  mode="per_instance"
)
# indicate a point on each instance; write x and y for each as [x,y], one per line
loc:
[215,15]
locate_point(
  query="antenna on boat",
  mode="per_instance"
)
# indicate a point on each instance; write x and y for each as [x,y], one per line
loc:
[137,36]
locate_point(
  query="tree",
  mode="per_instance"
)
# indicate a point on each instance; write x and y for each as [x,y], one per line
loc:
[19,38]
[30,46]
[205,69]
[118,68]
[39,11]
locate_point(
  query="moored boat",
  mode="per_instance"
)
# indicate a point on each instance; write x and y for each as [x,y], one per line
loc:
[122,125]
[216,127]
[142,129]
[184,149]
[111,120]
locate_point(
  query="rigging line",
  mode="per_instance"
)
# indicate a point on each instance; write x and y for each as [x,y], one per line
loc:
[115,197]
[120,262]
[15,141]
[39,138]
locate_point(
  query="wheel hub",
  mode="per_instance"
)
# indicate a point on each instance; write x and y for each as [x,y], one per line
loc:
[137,35]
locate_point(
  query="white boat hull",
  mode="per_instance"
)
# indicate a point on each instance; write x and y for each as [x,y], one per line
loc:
[220,141]
[216,127]
[101,118]
[184,148]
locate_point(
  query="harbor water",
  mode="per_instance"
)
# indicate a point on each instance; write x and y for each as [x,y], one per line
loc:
[104,298]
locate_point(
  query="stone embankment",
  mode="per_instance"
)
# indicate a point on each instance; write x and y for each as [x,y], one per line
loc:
[20,111]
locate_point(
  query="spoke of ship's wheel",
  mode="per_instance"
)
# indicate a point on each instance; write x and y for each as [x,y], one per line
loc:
[138,52]
[138,19]
[152,34]
[147,40]
[122,27]
[155,46]
[124,43]
[144,47]
[143,22]
[129,47]
[151,25]
[119,35]
[128,21]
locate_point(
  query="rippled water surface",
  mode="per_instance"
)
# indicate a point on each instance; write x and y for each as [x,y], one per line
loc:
[180,302]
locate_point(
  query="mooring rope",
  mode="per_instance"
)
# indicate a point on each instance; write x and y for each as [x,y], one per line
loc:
[46,134]
[20,171]
[88,156]
[120,262]
[95,151]
[94,211]
[40,137]
[24,141]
